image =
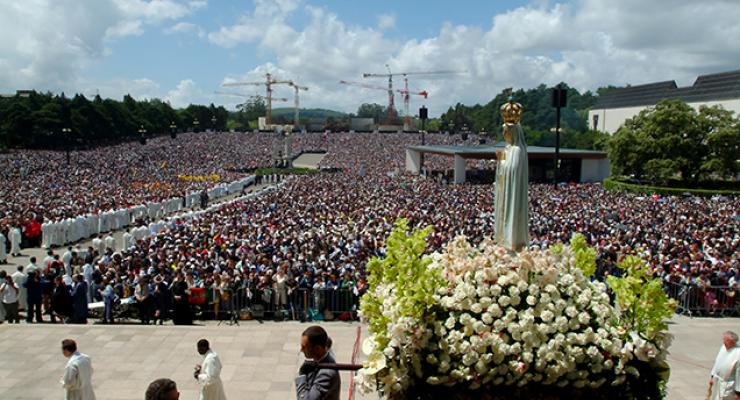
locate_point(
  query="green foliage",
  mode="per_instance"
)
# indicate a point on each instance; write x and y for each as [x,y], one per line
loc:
[641,299]
[285,171]
[585,254]
[614,184]
[37,120]
[538,117]
[672,139]
[375,111]
[406,273]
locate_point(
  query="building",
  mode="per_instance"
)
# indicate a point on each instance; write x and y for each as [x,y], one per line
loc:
[616,106]
[575,165]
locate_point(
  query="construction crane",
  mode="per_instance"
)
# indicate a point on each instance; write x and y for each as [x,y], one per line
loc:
[269,81]
[389,75]
[406,93]
[255,96]
[296,116]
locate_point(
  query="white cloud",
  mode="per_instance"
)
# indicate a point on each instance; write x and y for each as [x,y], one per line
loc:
[47,44]
[186,93]
[386,21]
[586,43]
[184,28]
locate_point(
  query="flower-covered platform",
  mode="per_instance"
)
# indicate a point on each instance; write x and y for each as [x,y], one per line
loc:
[485,322]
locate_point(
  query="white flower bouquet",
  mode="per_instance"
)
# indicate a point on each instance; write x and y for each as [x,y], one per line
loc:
[483,322]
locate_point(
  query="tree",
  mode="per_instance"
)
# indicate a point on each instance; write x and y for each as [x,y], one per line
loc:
[673,140]
[375,111]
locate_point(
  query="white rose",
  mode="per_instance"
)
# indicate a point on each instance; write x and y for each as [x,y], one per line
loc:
[487,318]
[476,308]
[504,301]
[531,300]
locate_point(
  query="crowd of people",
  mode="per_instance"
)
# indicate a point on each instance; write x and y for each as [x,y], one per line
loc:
[313,234]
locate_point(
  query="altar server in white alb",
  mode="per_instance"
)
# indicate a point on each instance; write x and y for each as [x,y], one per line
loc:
[725,380]
[77,379]
[209,373]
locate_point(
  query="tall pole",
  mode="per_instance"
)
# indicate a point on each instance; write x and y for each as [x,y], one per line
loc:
[423,118]
[559,100]
[297,103]
[268,85]
[557,144]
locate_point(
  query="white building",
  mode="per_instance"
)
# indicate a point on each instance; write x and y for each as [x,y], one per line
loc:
[616,106]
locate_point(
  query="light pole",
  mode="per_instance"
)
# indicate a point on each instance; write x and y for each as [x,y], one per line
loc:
[559,100]
[423,115]
[67,133]
[195,124]
[213,123]
[173,130]
[142,134]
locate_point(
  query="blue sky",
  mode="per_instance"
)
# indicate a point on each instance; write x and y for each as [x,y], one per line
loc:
[183,50]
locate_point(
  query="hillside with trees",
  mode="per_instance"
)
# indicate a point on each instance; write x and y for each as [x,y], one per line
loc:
[44,120]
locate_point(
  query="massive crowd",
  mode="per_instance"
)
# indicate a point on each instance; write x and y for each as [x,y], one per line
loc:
[312,235]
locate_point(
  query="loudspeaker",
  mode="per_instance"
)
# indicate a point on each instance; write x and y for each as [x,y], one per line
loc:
[559,97]
[423,113]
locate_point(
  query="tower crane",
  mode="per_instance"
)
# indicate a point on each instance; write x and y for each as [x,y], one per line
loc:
[405,92]
[269,81]
[297,88]
[256,96]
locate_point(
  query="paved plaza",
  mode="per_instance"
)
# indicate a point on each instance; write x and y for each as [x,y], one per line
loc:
[260,360]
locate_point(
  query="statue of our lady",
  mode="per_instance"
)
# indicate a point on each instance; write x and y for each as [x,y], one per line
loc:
[512,183]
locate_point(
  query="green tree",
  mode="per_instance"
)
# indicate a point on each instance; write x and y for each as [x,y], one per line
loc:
[673,140]
[375,111]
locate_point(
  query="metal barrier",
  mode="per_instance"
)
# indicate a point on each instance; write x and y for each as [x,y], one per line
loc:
[704,300]
[269,303]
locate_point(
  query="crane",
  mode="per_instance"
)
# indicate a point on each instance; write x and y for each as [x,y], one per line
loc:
[406,93]
[297,88]
[389,75]
[257,96]
[269,81]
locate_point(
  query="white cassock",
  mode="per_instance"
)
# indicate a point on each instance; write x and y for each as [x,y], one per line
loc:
[81,229]
[110,242]
[45,235]
[77,379]
[209,379]
[3,252]
[99,245]
[15,241]
[19,278]
[726,374]
[127,241]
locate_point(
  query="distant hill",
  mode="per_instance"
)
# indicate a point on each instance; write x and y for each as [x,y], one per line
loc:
[307,113]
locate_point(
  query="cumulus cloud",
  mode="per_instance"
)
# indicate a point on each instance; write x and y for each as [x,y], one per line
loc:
[46,44]
[185,93]
[386,21]
[184,28]
[586,43]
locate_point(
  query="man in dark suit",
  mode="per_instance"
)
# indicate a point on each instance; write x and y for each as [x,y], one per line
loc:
[315,383]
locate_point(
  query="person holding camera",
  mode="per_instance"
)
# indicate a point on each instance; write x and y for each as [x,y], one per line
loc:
[314,383]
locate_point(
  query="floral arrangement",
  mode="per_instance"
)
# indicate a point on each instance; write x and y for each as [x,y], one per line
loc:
[484,322]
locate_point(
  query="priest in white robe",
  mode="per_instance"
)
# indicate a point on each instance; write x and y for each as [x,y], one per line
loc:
[15,241]
[46,235]
[3,249]
[725,376]
[110,242]
[209,373]
[128,241]
[77,379]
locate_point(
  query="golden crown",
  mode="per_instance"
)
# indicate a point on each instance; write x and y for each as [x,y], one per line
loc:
[511,112]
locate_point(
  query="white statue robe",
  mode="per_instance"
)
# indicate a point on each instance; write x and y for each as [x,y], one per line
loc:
[726,374]
[15,241]
[209,379]
[3,252]
[77,379]
[512,185]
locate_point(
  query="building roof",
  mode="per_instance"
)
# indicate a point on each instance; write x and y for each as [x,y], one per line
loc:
[489,152]
[711,87]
